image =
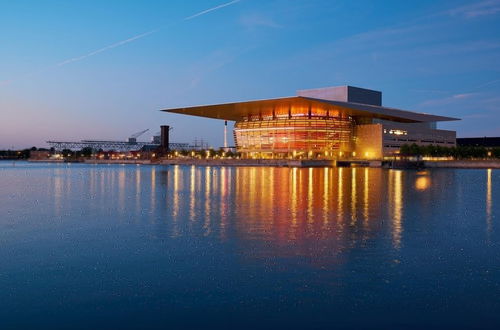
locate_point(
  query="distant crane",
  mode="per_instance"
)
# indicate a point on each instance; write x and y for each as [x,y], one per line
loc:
[133,137]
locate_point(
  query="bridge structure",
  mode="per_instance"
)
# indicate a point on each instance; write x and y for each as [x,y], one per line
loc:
[121,146]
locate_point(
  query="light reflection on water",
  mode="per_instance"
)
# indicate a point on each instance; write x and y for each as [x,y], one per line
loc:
[341,237]
[488,195]
[270,204]
[277,204]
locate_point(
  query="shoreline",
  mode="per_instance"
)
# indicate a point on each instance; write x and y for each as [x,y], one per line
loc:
[472,164]
[463,164]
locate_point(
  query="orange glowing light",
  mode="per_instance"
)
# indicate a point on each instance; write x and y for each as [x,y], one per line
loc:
[422,183]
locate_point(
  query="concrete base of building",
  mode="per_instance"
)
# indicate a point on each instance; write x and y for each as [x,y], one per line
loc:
[472,164]
[45,160]
[271,162]
[118,161]
[463,164]
[421,164]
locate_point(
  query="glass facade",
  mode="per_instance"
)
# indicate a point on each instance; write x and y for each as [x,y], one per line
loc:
[296,136]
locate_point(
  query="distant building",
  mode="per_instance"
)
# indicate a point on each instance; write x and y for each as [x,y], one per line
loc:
[327,123]
[39,154]
[488,142]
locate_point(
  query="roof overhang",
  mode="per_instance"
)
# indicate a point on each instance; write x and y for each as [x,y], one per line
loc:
[237,111]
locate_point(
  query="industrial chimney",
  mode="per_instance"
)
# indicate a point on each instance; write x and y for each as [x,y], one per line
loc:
[164,138]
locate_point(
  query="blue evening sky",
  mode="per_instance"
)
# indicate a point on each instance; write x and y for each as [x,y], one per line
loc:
[76,70]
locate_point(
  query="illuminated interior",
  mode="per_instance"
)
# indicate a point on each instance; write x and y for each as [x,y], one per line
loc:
[297,136]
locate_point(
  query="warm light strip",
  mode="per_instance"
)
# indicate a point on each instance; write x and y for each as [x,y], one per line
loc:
[282,128]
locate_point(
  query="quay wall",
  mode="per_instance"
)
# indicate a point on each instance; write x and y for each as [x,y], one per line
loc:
[250,162]
[33,160]
[118,161]
[463,164]
[297,163]
[269,162]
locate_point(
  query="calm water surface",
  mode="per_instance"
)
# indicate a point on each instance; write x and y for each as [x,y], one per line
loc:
[113,246]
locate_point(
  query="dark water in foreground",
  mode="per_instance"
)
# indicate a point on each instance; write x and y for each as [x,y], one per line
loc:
[109,246]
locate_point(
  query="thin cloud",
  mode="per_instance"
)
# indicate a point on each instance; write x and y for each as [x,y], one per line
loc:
[448,100]
[213,62]
[477,116]
[252,21]
[462,47]
[483,8]
[471,97]
[436,91]
[492,82]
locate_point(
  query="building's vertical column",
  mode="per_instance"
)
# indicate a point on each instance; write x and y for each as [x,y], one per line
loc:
[225,135]
[273,132]
[309,136]
[290,134]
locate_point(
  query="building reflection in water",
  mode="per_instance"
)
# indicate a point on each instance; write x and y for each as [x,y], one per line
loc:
[153,188]
[57,184]
[285,207]
[423,181]
[208,217]
[293,203]
[314,212]
[138,188]
[175,206]
[340,193]
[176,174]
[488,200]
[396,204]
[326,196]
[121,189]
[192,190]
[225,192]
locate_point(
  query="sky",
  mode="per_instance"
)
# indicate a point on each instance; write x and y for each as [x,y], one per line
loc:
[72,70]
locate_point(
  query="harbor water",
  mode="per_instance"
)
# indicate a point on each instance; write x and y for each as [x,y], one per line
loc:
[177,247]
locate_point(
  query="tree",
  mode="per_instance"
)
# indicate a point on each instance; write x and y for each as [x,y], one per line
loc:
[495,152]
[404,150]
[25,154]
[459,152]
[67,152]
[86,151]
[415,150]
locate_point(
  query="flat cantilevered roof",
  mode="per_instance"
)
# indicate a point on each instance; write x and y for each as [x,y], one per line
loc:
[237,111]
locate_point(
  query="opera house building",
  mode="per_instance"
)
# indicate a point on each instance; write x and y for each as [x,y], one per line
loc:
[325,123]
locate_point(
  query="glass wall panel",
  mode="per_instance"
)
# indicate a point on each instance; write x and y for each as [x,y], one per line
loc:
[292,135]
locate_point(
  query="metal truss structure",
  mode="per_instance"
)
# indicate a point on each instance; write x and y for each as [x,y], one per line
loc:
[121,146]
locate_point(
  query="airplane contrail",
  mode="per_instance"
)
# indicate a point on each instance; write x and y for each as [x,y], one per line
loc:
[116,44]
[142,35]
[211,9]
[121,43]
